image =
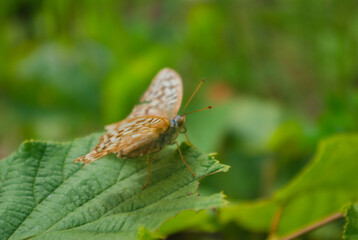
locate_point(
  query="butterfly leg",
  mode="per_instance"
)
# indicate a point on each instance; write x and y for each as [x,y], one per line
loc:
[186,136]
[146,182]
[192,173]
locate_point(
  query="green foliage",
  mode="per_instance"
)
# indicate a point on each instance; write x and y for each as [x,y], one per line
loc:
[204,220]
[44,195]
[85,64]
[321,190]
[351,228]
[281,75]
[245,147]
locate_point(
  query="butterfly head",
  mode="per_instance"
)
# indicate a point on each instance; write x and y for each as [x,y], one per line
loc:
[179,123]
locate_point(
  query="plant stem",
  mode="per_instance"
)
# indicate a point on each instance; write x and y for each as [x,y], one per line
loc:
[309,228]
[275,222]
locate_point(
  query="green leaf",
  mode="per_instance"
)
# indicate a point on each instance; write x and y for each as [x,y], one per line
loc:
[255,216]
[44,195]
[351,228]
[319,192]
[203,220]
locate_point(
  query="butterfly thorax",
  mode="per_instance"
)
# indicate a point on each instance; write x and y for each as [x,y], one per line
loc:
[177,126]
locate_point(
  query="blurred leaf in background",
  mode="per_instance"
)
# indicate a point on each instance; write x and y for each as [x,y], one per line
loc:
[319,192]
[281,76]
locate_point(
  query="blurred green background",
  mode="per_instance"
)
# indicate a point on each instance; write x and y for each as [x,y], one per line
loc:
[281,75]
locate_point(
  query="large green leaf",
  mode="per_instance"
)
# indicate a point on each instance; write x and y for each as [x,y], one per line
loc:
[319,192]
[44,195]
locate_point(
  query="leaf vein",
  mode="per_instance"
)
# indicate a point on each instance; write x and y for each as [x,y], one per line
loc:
[142,207]
[33,192]
[91,142]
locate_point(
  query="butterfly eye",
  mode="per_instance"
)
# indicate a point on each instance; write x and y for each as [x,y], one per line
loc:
[183,130]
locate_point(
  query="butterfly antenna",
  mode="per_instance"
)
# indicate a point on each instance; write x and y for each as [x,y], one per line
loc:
[197,88]
[210,107]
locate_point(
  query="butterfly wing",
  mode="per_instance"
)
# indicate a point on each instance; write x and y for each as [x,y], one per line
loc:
[134,137]
[163,97]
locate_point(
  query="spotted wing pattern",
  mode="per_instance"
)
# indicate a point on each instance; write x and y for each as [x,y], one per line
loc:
[163,98]
[134,136]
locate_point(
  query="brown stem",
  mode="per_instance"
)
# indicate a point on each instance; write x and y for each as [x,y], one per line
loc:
[313,226]
[275,221]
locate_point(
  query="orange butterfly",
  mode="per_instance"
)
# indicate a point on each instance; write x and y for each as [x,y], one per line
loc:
[150,126]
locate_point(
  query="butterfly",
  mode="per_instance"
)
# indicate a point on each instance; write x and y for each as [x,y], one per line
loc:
[151,125]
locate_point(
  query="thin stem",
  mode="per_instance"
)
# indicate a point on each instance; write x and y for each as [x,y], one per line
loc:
[276,221]
[314,226]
